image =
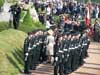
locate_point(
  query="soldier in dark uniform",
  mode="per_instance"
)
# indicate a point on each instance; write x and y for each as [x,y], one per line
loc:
[76,51]
[27,54]
[35,59]
[37,48]
[43,56]
[87,43]
[73,50]
[67,61]
[40,47]
[58,64]
[84,42]
[33,51]
[82,50]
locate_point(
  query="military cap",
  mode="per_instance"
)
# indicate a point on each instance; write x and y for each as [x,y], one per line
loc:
[68,33]
[72,32]
[76,33]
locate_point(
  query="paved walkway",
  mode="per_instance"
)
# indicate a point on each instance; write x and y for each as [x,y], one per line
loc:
[91,66]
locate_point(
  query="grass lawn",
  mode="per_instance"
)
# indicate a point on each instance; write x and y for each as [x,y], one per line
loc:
[29,25]
[11,52]
[3,26]
[11,44]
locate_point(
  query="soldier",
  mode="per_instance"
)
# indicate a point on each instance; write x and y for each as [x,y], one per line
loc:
[67,62]
[79,39]
[82,51]
[27,54]
[43,52]
[58,64]
[96,31]
[39,46]
[87,42]
[73,50]
[36,51]
[33,52]
[83,44]
[76,51]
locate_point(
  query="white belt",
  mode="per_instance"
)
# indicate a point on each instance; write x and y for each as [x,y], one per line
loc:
[70,48]
[56,58]
[68,55]
[60,51]
[79,45]
[37,43]
[84,44]
[73,48]
[40,42]
[65,49]
[29,48]
[34,45]
[76,47]
[26,54]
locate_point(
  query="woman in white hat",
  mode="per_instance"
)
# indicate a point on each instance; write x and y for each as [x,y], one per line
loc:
[50,46]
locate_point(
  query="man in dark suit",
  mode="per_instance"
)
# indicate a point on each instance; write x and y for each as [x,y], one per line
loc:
[15,10]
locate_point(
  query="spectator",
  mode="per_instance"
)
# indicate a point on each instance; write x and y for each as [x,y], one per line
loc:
[97,31]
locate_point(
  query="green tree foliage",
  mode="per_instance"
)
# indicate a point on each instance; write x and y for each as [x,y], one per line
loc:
[1,3]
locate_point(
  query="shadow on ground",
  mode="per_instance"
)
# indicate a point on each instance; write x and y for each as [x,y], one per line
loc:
[16,59]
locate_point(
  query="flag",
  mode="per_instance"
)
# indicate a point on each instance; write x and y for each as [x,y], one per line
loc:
[87,20]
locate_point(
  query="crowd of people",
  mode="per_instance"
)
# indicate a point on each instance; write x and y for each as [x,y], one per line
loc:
[65,42]
[69,14]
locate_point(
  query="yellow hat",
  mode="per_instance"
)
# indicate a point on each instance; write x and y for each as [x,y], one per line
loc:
[50,32]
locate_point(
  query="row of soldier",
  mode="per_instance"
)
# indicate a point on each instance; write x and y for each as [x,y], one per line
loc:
[70,48]
[70,52]
[34,50]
